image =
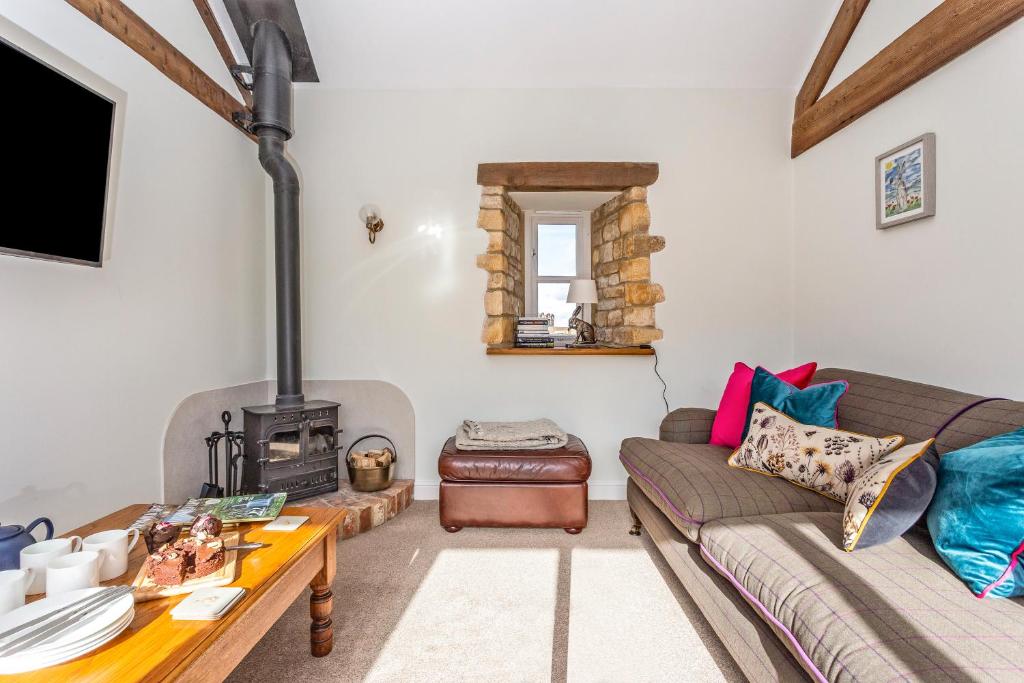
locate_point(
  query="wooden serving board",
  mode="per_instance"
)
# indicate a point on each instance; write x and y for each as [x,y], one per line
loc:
[146,589]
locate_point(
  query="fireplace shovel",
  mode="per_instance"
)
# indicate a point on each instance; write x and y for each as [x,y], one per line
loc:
[212,488]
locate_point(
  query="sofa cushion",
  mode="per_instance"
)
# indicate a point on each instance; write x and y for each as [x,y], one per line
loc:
[977,516]
[889,498]
[692,484]
[890,612]
[729,424]
[824,460]
[818,404]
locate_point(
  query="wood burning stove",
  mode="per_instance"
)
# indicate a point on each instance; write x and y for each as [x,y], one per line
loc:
[290,446]
[292,450]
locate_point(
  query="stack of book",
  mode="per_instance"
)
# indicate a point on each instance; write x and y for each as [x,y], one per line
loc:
[534,333]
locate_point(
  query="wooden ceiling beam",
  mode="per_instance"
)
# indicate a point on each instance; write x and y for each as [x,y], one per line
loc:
[571,176]
[118,20]
[846,21]
[221,42]
[945,33]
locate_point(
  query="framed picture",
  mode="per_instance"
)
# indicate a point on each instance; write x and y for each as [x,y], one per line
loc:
[905,182]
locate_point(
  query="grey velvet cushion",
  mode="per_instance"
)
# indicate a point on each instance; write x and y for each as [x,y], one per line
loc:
[903,504]
[691,485]
[887,613]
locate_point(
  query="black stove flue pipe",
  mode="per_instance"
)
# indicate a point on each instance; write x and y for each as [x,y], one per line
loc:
[272,124]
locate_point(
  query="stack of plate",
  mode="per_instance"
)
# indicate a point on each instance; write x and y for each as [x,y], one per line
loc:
[92,631]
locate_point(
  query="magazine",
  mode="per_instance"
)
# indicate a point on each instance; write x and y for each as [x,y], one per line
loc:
[193,508]
[155,513]
[260,507]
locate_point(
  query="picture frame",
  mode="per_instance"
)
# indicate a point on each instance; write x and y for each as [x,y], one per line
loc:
[905,182]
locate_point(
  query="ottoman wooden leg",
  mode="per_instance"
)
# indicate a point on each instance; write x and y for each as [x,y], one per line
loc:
[573,530]
[453,529]
[635,529]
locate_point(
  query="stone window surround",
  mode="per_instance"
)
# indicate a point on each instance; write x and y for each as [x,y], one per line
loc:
[620,242]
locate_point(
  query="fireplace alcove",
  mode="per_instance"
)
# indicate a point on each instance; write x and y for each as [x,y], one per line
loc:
[367,407]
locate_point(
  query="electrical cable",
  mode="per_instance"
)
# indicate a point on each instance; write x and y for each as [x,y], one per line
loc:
[664,386]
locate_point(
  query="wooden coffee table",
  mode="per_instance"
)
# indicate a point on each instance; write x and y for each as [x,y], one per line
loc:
[157,648]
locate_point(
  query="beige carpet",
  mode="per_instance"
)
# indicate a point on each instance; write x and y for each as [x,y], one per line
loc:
[414,603]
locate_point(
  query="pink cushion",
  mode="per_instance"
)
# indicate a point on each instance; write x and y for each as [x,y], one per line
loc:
[727,429]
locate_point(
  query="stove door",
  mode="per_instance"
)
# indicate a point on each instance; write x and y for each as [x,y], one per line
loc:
[284,446]
[321,440]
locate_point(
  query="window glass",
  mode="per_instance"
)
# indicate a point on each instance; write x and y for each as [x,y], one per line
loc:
[556,251]
[551,299]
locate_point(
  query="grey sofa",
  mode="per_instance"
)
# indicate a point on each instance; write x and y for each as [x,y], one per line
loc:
[762,557]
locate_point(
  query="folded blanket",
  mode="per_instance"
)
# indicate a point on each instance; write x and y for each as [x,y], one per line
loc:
[488,436]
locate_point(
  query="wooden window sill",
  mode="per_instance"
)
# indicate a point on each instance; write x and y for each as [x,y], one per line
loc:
[582,351]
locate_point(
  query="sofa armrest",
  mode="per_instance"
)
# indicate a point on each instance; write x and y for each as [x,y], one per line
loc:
[687,425]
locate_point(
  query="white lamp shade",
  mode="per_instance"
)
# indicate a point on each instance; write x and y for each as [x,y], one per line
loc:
[582,292]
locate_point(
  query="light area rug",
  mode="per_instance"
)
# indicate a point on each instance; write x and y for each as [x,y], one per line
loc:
[414,603]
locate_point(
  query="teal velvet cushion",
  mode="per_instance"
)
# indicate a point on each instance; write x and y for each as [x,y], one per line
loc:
[977,515]
[815,405]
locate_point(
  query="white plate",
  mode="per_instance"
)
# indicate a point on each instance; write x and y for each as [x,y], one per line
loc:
[46,648]
[34,659]
[96,625]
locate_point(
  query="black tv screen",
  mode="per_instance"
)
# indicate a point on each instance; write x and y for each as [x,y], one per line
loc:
[54,189]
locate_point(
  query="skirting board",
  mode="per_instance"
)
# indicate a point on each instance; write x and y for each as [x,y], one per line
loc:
[597,490]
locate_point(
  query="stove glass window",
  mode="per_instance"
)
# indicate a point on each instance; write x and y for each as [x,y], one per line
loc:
[321,439]
[284,445]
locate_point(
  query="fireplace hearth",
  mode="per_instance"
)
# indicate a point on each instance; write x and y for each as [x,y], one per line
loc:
[292,449]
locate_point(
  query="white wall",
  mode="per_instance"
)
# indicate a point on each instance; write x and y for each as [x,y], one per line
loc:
[937,300]
[95,360]
[408,310]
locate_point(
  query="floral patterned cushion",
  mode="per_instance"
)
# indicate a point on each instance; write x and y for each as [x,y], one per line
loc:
[889,497]
[825,460]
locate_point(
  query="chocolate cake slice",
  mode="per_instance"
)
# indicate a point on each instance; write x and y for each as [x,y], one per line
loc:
[167,566]
[186,558]
[209,556]
[188,547]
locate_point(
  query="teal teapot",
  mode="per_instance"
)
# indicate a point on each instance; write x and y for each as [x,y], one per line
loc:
[14,537]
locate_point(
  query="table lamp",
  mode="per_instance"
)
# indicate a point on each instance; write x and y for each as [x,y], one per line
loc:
[582,292]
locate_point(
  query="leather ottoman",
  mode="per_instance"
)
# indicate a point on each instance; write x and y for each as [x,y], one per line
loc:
[525,488]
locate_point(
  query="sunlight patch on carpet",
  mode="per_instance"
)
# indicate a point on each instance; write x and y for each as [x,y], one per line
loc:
[479,614]
[625,624]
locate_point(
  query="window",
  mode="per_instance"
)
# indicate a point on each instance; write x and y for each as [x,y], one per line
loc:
[558,245]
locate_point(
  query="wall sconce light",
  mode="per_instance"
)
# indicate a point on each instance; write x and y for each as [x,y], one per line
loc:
[370,216]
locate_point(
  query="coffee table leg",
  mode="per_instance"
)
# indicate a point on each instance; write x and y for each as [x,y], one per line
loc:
[321,630]
[321,600]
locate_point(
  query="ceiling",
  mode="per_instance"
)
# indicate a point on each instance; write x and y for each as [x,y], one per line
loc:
[414,44]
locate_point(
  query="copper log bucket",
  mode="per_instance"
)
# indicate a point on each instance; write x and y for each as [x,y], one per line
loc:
[367,479]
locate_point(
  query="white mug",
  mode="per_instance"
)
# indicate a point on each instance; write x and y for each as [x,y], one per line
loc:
[13,584]
[38,555]
[115,547]
[73,571]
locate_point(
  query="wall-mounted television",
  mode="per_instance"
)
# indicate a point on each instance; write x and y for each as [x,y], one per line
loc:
[59,135]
